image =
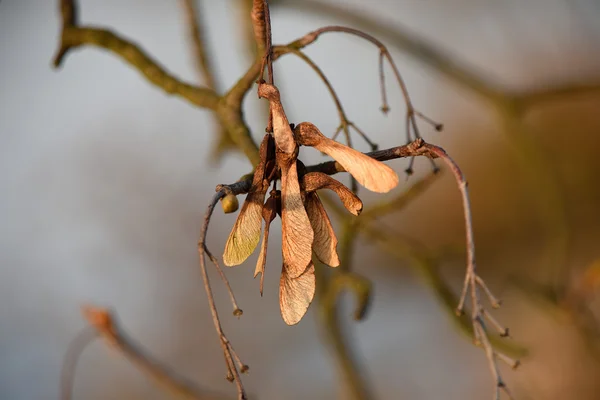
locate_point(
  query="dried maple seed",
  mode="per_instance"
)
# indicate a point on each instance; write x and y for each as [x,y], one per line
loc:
[370,173]
[317,180]
[245,234]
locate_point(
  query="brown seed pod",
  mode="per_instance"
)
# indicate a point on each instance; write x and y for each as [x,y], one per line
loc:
[317,180]
[372,174]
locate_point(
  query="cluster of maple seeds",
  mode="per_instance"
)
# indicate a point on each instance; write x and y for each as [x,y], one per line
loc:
[306,228]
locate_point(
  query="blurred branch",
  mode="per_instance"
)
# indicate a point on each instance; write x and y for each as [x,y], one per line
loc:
[206,73]
[417,257]
[73,36]
[76,347]
[105,324]
[538,170]
[196,34]
[534,98]
[333,285]
[338,337]
[228,109]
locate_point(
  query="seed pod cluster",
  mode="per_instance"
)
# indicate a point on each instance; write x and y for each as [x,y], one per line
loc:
[306,228]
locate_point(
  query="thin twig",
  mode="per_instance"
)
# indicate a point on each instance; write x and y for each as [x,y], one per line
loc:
[411,112]
[345,123]
[237,311]
[472,280]
[227,349]
[417,256]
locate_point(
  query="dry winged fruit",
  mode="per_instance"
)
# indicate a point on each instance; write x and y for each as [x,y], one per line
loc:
[305,226]
[372,174]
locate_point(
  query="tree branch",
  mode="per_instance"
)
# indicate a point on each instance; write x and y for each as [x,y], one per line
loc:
[73,36]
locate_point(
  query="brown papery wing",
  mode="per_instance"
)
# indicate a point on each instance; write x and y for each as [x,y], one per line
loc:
[296,231]
[372,174]
[245,233]
[296,294]
[325,242]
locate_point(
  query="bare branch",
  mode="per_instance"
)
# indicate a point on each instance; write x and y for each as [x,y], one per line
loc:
[472,280]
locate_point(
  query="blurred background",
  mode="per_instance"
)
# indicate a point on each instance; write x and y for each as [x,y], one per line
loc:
[105,178]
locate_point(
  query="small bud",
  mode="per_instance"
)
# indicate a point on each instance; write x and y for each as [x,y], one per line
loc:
[230,203]
[238,312]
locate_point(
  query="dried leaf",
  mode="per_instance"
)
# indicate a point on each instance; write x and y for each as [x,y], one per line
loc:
[318,180]
[296,232]
[325,242]
[372,174]
[284,137]
[269,212]
[296,294]
[245,234]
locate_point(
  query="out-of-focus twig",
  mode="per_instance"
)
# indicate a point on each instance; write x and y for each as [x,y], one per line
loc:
[205,67]
[196,36]
[105,324]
